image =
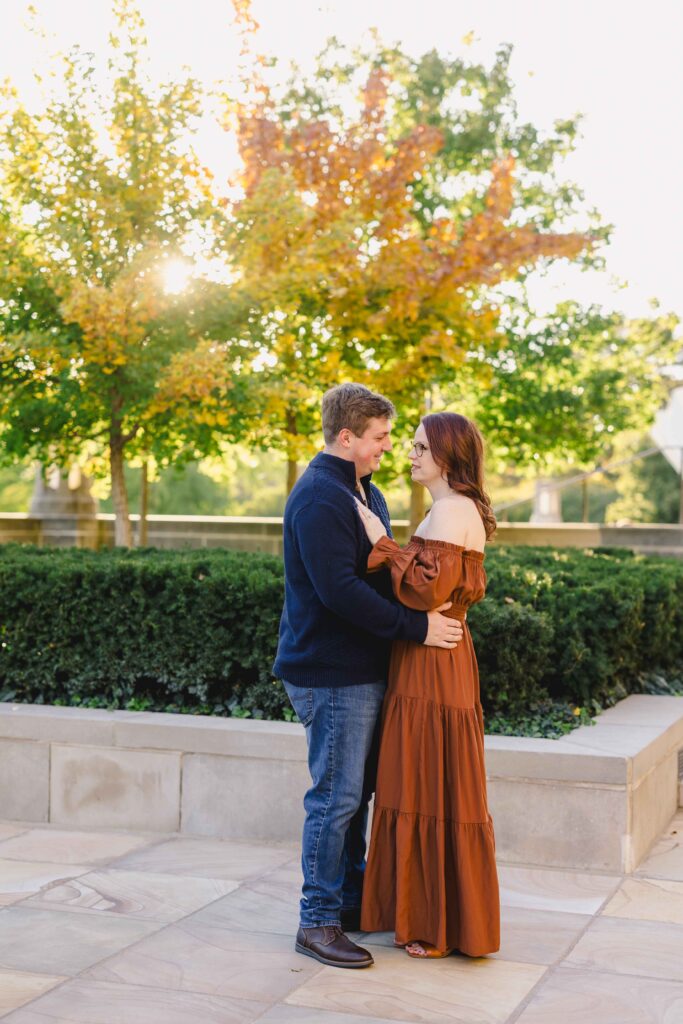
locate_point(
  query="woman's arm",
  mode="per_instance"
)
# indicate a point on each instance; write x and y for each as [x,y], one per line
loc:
[419,578]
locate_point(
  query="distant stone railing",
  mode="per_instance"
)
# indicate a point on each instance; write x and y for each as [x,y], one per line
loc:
[264,533]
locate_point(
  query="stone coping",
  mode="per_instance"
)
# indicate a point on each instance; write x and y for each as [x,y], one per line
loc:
[264,533]
[109,517]
[154,730]
[622,746]
[585,529]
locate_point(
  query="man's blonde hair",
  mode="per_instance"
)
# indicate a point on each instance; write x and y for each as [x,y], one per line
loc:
[352,406]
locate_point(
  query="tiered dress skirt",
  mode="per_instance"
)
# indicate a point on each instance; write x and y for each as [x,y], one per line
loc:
[431,871]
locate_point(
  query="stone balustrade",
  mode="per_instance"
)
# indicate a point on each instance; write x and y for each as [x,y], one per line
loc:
[264,533]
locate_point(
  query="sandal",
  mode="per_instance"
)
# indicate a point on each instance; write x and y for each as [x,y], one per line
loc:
[430,952]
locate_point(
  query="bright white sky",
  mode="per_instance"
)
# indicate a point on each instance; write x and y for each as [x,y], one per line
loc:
[617,62]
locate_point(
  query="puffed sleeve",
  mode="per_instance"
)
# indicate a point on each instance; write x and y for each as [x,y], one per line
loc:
[421,577]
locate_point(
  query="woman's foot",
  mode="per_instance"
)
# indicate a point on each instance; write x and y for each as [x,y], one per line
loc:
[425,951]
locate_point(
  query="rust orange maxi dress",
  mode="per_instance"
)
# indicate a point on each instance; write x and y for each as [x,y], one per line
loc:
[431,871]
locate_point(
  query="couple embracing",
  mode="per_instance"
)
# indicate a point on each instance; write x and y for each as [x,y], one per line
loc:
[378,663]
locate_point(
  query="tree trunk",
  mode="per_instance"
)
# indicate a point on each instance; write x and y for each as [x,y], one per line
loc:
[292,468]
[584,501]
[292,474]
[122,531]
[417,505]
[144,499]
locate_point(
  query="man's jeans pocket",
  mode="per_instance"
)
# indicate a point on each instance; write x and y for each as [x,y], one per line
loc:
[301,699]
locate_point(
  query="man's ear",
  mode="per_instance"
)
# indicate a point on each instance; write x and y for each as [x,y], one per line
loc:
[344,437]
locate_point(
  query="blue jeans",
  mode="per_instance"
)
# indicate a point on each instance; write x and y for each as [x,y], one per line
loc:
[342,731]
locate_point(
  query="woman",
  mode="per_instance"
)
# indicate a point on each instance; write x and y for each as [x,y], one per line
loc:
[431,872]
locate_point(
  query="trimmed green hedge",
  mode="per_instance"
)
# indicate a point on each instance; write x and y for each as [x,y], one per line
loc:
[561,632]
[613,615]
[171,626]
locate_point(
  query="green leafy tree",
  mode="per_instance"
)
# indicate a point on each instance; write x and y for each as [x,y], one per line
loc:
[648,489]
[99,192]
[565,386]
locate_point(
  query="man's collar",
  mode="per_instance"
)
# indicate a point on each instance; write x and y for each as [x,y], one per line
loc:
[342,468]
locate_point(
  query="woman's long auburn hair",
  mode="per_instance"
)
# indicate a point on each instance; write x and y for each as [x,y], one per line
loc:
[457,448]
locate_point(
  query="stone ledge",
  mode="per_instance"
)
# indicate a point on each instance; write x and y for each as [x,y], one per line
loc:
[594,799]
[523,757]
[154,730]
[201,734]
[626,764]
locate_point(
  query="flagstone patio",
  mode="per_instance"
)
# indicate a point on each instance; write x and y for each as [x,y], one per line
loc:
[121,928]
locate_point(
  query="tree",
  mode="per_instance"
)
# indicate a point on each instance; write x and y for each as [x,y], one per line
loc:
[427,170]
[345,279]
[648,490]
[564,386]
[474,109]
[98,195]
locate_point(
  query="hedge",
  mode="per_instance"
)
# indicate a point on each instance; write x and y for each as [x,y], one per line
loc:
[196,630]
[614,615]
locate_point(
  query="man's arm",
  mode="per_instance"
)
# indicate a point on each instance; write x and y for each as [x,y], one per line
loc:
[327,540]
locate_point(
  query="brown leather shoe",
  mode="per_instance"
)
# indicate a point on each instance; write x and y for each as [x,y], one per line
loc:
[330,946]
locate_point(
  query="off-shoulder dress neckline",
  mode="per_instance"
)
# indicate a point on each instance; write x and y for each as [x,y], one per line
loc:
[468,552]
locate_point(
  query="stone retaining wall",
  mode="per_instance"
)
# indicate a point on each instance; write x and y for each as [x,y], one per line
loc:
[595,799]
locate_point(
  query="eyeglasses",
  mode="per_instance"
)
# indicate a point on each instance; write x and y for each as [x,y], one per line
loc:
[418,448]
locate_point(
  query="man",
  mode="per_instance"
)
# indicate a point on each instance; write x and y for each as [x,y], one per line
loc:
[335,636]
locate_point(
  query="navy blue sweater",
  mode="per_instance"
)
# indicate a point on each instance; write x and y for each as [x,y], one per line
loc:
[336,624]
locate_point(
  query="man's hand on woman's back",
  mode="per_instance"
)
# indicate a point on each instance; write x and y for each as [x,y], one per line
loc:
[442,631]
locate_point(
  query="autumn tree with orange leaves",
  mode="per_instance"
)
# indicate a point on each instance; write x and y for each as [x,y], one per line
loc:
[346,281]
[549,391]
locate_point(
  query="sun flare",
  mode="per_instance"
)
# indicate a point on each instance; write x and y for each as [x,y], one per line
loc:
[176,276]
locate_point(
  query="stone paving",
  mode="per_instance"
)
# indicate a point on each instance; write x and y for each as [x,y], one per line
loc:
[120,928]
